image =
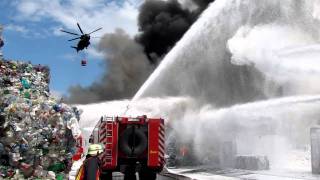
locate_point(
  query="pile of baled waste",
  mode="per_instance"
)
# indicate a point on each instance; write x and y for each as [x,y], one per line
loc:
[37,131]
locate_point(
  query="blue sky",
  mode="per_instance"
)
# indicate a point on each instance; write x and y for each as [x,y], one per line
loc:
[31,33]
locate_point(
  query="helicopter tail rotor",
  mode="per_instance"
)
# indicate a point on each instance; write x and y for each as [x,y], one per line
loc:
[75,48]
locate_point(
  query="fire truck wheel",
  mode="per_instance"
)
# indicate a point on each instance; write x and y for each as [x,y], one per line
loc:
[130,177]
[130,173]
[106,175]
[141,142]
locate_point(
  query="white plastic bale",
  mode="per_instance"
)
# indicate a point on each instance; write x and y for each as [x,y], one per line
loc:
[252,162]
[315,149]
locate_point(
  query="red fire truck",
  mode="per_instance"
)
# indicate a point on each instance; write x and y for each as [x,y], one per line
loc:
[131,145]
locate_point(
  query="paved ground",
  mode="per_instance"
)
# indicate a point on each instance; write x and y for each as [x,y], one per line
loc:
[118,176]
[207,173]
[233,174]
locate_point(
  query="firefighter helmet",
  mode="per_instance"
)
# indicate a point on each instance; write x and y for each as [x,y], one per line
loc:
[94,149]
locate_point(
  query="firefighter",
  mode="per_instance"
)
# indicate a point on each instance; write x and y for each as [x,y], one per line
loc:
[90,169]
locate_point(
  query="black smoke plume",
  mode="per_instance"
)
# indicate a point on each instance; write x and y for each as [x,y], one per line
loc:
[163,23]
[128,63]
[126,66]
[202,4]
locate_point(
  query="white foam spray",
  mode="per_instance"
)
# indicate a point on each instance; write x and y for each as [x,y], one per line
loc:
[272,127]
[256,34]
[215,85]
[292,62]
[170,108]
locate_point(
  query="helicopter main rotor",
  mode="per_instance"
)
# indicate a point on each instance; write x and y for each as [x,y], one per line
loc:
[80,36]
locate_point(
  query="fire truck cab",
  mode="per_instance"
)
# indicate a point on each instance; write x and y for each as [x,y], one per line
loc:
[131,145]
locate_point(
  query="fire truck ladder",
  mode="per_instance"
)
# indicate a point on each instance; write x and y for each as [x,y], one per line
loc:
[108,142]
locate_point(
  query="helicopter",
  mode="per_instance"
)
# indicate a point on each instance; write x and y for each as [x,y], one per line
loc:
[1,40]
[84,38]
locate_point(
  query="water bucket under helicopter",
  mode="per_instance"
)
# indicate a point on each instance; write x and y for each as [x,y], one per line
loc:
[84,58]
[83,62]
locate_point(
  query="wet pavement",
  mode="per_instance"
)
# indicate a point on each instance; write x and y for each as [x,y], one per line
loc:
[207,173]
[161,176]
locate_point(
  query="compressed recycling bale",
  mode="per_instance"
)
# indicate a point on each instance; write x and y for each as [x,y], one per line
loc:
[252,162]
[315,149]
[37,131]
[227,156]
